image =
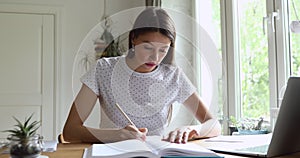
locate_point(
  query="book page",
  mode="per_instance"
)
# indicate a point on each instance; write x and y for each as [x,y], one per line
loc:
[127,148]
[163,148]
[188,149]
[155,143]
[153,147]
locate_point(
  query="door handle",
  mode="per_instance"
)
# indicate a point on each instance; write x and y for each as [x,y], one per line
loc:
[270,19]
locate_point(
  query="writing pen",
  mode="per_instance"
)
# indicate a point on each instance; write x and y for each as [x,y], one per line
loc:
[124,114]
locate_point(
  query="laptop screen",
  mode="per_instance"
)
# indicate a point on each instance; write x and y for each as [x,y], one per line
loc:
[286,133]
[285,138]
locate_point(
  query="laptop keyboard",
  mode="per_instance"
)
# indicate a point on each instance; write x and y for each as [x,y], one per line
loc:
[257,149]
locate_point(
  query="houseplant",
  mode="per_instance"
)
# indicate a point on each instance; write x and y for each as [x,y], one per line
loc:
[107,45]
[233,124]
[248,126]
[24,142]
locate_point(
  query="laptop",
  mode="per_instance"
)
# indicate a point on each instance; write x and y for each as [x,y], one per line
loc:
[285,138]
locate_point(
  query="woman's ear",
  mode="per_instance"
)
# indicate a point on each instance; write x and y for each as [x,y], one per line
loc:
[132,42]
[132,37]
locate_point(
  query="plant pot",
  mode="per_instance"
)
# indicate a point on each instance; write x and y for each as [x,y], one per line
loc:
[30,147]
[232,129]
[251,132]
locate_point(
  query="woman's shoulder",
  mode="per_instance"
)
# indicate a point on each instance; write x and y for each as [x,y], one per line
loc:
[171,71]
[170,68]
[108,61]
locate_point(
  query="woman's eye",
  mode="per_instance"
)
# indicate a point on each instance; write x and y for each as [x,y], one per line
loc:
[163,50]
[148,48]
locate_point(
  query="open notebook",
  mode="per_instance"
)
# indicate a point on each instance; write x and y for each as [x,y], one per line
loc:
[154,147]
[285,138]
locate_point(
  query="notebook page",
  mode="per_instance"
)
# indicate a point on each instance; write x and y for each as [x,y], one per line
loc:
[164,148]
[130,147]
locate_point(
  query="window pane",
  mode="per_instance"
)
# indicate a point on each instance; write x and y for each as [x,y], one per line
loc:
[208,17]
[294,7]
[214,29]
[206,57]
[253,59]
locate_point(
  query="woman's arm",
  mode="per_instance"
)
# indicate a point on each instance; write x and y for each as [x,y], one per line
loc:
[209,126]
[74,130]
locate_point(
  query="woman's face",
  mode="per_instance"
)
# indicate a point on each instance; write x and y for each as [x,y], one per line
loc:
[149,50]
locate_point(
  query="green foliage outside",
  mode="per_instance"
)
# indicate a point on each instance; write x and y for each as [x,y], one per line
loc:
[254,62]
[295,39]
[254,70]
[254,59]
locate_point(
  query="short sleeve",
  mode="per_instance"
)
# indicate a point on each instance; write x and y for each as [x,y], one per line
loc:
[186,88]
[90,79]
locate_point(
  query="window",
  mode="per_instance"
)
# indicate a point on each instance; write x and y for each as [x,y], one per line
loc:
[253,59]
[208,17]
[247,59]
[257,56]
[258,52]
[257,59]
[202,49]
[294,40]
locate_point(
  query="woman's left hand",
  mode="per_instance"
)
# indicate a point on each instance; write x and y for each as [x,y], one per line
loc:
[182,135]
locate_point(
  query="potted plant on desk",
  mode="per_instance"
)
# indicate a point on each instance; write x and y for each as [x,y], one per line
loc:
[249,126]
[24,142]
[233,124]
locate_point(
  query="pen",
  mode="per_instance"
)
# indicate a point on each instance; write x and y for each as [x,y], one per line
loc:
[124,114]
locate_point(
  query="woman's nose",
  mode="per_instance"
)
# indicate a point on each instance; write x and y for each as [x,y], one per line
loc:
[155,55]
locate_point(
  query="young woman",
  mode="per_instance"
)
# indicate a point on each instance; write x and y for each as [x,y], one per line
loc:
[145,83]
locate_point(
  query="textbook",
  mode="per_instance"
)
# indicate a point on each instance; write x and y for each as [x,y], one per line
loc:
[153,147]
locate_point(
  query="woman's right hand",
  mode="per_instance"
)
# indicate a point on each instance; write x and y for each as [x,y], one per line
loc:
[131,132]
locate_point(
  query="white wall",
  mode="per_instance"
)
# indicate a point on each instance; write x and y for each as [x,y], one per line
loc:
[75,19]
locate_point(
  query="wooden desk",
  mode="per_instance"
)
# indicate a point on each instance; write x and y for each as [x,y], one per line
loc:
[76,151]
[63,151]
[68,151]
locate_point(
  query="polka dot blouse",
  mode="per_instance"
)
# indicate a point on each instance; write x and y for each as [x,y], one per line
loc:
[145,97]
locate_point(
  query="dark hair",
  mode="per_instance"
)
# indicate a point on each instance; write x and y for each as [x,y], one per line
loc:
[155,19]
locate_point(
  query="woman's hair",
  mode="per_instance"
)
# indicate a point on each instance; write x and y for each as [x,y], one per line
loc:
[154,19]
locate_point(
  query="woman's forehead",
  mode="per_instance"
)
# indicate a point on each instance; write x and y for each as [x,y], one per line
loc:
[154,37]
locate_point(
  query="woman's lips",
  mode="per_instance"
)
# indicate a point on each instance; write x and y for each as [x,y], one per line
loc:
[150,64]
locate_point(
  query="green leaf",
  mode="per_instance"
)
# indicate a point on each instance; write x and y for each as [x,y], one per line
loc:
[24,130]
[26,121]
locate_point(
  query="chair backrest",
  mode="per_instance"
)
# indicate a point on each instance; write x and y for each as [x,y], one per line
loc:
[61,139]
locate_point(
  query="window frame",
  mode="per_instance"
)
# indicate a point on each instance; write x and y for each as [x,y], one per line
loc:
[278,54]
